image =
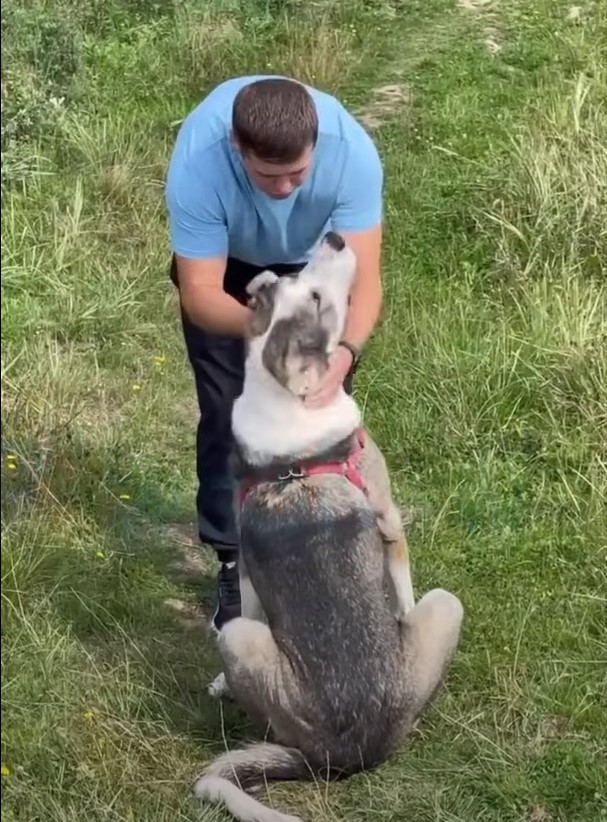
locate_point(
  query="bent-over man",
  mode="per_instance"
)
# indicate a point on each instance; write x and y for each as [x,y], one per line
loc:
[260,171]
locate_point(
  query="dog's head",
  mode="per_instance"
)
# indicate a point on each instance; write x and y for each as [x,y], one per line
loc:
[299,319]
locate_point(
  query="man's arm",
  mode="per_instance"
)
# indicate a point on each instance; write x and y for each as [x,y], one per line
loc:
[358,218]
[199,239]
[367,293]
[204,300]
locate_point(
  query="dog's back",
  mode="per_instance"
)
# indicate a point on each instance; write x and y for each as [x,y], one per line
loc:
[314,555]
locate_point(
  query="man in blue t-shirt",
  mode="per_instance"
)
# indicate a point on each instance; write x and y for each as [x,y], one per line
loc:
[261,169]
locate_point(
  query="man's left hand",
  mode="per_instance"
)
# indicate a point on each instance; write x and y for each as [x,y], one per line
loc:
[340,362]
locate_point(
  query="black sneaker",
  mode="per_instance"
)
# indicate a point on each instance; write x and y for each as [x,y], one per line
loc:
[228,596]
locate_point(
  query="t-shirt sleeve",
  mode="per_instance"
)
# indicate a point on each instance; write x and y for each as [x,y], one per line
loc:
[359,204]
[197,223]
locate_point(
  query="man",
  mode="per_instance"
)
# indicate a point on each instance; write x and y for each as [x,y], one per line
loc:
[261,169]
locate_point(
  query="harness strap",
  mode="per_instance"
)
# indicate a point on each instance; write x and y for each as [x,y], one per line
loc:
[349,468]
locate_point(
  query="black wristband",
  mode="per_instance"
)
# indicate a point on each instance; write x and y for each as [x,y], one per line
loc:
[352,349]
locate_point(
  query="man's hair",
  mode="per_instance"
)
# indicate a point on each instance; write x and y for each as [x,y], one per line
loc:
[275,119]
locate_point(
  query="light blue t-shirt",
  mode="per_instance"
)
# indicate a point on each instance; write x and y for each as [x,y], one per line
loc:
[215,211]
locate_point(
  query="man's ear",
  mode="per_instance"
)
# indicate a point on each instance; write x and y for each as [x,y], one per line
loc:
[261,291]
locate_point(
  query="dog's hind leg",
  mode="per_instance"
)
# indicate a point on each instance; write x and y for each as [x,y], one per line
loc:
[253,669]
[250,608]
[430,635]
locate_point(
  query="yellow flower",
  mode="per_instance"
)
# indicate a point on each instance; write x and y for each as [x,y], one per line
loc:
[11,466]
[99,554]
[5,770]
[136,387]
[125,496]
[88,715]
[160,359]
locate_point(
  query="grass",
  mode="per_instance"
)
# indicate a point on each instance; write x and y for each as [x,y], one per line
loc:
[485,385]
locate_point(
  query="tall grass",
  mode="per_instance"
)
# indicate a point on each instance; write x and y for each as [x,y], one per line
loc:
[552,213]
[486,387]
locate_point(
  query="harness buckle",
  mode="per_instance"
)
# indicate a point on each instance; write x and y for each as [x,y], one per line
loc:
[291,474]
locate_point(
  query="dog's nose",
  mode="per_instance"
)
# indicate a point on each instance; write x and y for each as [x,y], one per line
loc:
[335,241]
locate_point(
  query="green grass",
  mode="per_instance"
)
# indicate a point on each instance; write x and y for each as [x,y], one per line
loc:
[485,385]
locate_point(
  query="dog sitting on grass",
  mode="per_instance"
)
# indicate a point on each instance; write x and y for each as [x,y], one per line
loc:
[339,687]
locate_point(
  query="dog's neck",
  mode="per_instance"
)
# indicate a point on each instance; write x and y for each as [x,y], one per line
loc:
[271,424]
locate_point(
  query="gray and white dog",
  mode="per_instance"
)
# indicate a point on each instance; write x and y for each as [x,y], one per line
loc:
[339,671]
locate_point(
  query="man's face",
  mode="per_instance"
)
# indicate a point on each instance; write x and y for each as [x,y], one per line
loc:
[277,180]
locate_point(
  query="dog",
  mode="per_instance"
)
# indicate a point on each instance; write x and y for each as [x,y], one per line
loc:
[331,651]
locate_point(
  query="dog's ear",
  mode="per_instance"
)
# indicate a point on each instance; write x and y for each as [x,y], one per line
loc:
[261,291]
[263,280]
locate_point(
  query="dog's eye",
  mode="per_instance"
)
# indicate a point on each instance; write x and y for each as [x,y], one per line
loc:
[315,296]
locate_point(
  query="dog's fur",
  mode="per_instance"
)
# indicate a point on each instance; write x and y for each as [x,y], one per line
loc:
[338,670]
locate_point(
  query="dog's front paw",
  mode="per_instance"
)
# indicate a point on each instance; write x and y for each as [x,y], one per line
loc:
[406,604]
[403,610]
[219,689]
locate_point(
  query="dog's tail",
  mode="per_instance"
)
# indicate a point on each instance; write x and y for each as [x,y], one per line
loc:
[228,778]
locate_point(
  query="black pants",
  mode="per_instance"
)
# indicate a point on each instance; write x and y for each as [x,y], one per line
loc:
[218,365]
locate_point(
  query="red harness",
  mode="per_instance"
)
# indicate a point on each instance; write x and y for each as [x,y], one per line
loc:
[349,468]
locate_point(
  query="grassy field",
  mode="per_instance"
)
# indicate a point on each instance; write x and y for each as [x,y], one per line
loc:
[486,387]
